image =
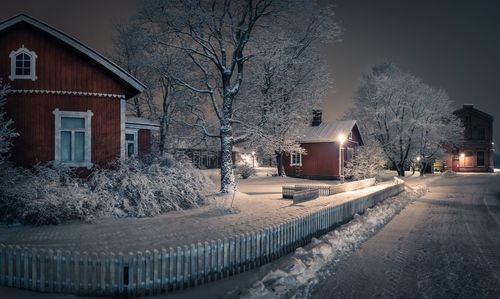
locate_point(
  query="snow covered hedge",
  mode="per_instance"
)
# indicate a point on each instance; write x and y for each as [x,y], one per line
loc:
[50,194]
[150,186]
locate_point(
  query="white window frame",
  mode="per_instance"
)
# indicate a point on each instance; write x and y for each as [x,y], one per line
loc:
[295,154]
[135,132]
[32,76]
[88,136]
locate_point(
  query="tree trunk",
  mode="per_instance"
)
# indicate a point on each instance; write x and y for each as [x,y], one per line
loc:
[279,163]
[226,168]
[400,169]
[423,166]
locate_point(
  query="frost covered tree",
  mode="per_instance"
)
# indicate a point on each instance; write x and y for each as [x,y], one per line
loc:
[217,37]
[6,130]
[288,81]
[436,131]
[403,115]
[367,161]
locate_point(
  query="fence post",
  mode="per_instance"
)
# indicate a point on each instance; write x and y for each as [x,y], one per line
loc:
[219,258]
[156,269]
[26,276]
[133,281]
[187,274]
[193,271]
[171,265]
[147,271]
[200,266]
[120,273]
[207,261]
[164,275]
[140,265]
[178,268]
[102,265]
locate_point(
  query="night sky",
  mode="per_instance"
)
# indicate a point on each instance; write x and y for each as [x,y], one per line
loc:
[450,44]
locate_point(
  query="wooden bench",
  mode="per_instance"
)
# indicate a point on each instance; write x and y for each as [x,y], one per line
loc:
[306,194]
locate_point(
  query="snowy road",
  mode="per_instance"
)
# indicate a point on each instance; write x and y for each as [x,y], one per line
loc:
[444,245]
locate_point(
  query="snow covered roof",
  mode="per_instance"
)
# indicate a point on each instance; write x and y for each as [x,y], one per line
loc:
[329,132]
[137,86]
[133,122]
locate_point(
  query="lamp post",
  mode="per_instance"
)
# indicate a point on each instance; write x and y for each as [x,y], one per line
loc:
[341,140]
[253,159]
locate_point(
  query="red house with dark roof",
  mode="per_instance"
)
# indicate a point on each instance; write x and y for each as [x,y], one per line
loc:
[321,142]
[67,101]
[476,150]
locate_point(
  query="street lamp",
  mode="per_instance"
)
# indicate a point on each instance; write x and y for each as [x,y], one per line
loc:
[253,159]
[341,139]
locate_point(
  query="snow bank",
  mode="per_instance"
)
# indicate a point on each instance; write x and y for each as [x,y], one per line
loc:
[296,277]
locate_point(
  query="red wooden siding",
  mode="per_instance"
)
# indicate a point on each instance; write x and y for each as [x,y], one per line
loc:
[144,139]
[58,66]
[34,121]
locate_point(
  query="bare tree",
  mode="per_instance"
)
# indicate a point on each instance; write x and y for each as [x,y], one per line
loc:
[216,37]
[402,114]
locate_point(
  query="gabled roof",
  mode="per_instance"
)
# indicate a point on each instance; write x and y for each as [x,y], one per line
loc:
[329,132]
[76,44]
[471,108]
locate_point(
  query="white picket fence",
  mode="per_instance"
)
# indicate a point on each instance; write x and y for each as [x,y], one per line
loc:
[157,271]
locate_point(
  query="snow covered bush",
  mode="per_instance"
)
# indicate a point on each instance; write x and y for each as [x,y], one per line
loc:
[245,171]
[44,194]
[367,162]
[148,186]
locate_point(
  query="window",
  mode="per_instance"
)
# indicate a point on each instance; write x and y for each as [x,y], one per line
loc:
[23,64]
[295,159]
[72,138]
[131,143]
[481,134]
[480,158]
[350,136]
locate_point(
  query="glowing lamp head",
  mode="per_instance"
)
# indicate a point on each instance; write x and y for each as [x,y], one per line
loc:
[418,158]
[462,155]
[341,139]
[253,153]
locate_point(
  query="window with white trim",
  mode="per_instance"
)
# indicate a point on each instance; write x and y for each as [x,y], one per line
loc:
[295,159]
[131,143]
[73,138]
[23,64]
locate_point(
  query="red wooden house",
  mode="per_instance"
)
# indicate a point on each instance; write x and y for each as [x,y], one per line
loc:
[476,151]
[67,101]
[321,142]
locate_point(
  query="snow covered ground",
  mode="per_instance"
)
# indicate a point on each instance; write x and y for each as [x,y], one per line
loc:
[296,275]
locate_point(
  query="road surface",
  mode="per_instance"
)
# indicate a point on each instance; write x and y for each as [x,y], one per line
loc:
[445,245]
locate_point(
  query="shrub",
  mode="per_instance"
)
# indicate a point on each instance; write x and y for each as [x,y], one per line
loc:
[149,186]
[245,171]
[45,194]
[51,194]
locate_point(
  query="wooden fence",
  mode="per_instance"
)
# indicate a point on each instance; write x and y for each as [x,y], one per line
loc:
[165,270]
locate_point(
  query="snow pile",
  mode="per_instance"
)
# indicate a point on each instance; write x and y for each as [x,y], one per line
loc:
[296,278]
[449,173]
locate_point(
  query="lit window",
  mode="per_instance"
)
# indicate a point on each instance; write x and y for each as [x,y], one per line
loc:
[295,159]
[72,138]
[131,144]
[23,64]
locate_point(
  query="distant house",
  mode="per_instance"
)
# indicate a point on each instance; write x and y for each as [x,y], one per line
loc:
[476,151]
[321,142]
[67,101]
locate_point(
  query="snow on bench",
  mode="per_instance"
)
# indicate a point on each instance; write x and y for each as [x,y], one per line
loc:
[306,194]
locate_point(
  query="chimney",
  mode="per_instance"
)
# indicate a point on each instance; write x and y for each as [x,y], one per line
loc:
[468,105]
[316,117]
